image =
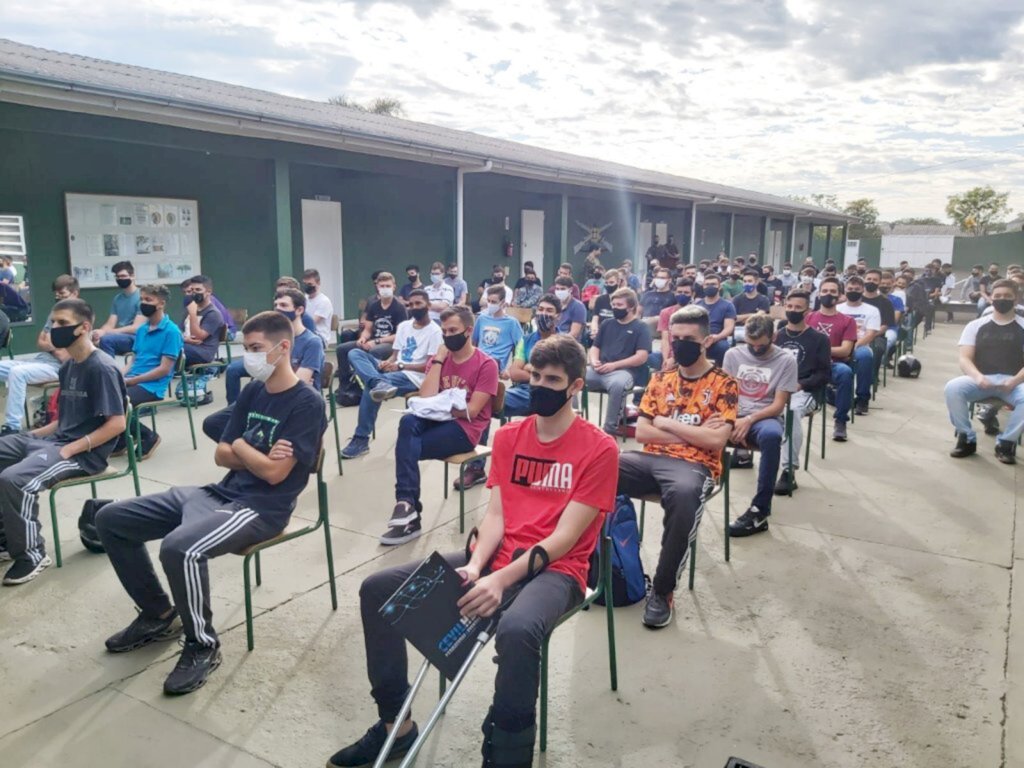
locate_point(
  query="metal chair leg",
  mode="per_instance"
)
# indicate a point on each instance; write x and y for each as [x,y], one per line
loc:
[446,481]
[259,575]
[693,561]
[248,602]
[544,696]
[462,496]
[725,493]
[643,514]
[54,528]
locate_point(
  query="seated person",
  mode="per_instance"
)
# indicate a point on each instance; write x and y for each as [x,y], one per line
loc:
[457,365]
[77,443]
[229,321]
[696,280]
[842,336]
[767,375]
[158,342]
[39,369]
[733,285]
[661,294]
[869,326]
[564,519]
[565,270]
[528,290]
[412,272]
[992,361]
[771,283]
[722,317]
[686,416]
[748,304]
[379,324]
[812,350]
[307,358]
[291,282]
[618,357]
[12,304]
[517,396]
[497,278]
[459,286]
[439,292]
[593,287]
[115,336]
[662,359]
[885,342]
[269,448]
[601,307]
[318,306]
[573,314]
[416,341]
[202,322]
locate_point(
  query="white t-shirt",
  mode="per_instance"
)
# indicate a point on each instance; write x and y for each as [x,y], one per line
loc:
[868,318]
[439,292]
[321,310]
[416,345]
[900,294]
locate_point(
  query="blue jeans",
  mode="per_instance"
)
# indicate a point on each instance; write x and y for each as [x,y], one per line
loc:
[864,366]
[423,439]
[117,343]
[19,374]
[655,361]
[767,435]
[517,400]
[233,380]
[841,394]
[963,390]
[717,351]
[367,368]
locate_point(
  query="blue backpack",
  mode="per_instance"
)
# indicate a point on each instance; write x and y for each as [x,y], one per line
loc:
[629,582]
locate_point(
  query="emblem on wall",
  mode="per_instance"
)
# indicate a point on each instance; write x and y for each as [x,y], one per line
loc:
[595,236]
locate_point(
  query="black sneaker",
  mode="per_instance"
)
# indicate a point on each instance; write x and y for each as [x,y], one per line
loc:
[5,556]
[396,535]
[403,513]
[741,459]
[356,447]
[8,430]
[786,483]
[658,610]
[470,476]
[144,631]
[148,446]
[365,751]
[750,522]
[25,570]
[1006,451]
[194,665]
[990,420]
[839,432]
[861,408]
[965,447]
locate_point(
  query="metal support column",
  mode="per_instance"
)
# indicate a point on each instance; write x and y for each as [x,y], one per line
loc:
[283,216]
[764,239]
[846,235]
[732,226]
[637,256]
[792,242]
[693,232]
[828,242]
[546,279]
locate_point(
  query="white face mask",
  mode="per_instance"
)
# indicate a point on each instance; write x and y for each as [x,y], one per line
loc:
[435,278]
[787,272]
[660,282]
[491,309]
[257,366]
[386,293]
[562,294]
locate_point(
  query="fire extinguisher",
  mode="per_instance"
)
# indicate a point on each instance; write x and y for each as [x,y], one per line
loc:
[508,247]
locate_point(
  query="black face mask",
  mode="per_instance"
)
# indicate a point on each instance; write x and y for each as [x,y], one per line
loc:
[309,288]
[290,314]
[413,278]
[1002,306]
[546,323]
[619,314]
[870,287]
[419,314]
[711,290]
[148,310]
[854,296]
[63,336]
[545,401]
[686,351]
[610,288]
[188,299]
[123,282]
[828,301]
[453,275]
[795,317]
[682,299]
[456,341]
[884,289]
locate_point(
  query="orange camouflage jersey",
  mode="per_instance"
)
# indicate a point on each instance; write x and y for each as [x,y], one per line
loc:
[691,401]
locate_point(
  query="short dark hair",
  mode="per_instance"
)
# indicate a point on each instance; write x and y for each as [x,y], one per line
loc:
[551,300]
[692,314]
[1006,283]
[79,308]
[873,271]
[312,274]
[683,281]
[202,280]
[799,295]
[413,266]
[125,266]
[273,325]
[560,350]
[978,266]
[496,290]
[751,273]
[565,265]
[465,314]
[287,281]
[156,291]
[298,297]
[759,326]
[418,292]
[834,281]
[564,282]
[62,282]
[855,280]
[712,276]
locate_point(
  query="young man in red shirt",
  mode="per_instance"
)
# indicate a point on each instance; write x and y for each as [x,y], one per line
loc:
[552,477]
[842,336]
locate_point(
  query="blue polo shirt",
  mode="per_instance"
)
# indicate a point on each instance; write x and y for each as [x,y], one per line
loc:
[152,344]
[126,307]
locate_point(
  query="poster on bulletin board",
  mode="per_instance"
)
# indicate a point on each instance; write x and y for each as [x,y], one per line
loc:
[159,236]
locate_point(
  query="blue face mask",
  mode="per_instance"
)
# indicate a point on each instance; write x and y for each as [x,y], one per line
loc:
[749,288]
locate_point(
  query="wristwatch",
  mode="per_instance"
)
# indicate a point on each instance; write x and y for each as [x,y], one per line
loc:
[401,366]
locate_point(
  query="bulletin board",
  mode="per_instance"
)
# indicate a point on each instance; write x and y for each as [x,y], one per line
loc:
[159,236]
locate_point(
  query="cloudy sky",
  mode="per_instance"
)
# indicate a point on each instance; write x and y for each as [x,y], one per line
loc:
[905,101]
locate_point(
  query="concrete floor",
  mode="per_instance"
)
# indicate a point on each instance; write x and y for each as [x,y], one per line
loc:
[873,626]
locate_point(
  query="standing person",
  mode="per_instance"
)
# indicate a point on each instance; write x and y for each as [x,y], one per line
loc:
[318,306]
[656,250]
[671,257]
[686,417]
[767,376]
[412,274]
[869,325]
[458,285]
[78,442]
[721,316]
[618,356]
[116,335]
[748,304]
[812,351]
[660,296]
[377,335]
[43,367]
[601,309]
[527,509]
[441,295]
[517,397]
[201,324]
[457,365]
[573,312]
[593,259]
[269,448]
[158,342]
[992,361]
[842,337]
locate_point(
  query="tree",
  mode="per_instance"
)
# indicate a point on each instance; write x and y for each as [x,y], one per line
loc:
[864,209]
[912,220]
[978,210]
[831,202]
[382,105]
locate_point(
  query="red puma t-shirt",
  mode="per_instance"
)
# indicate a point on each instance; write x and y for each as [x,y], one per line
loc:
[538,480]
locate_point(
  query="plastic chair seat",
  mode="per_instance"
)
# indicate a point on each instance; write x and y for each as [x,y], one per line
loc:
[478,452]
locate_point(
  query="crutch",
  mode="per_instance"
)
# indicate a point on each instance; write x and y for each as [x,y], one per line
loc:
[482,638]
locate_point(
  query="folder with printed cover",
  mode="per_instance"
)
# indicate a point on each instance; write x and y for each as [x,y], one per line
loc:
[424,610]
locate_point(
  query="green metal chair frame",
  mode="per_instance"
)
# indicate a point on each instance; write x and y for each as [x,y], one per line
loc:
[327,391]
[107,474]
[294,530]
[151,408]
[9,346]
[822,399]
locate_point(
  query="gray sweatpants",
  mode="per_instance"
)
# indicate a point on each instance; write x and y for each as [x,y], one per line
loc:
[30,465]
[195,525]
[615,385]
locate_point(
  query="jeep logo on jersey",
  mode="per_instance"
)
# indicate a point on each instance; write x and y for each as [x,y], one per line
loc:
[542,473]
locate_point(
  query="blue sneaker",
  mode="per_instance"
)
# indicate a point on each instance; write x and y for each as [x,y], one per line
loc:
[356,447]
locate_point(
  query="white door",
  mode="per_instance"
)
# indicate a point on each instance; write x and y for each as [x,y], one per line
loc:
[532,247]
[661,230]
[321,248]
[642,244]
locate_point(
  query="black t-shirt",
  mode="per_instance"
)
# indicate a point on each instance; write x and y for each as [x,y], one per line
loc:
[618,341]
[296,415]
[747,304]
[603,308]
[997,348]
[385,321]
[406,289]
[885,309]
[813,356]
[90,393]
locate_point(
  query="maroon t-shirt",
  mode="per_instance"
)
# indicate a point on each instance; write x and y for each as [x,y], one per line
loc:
[837,327]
